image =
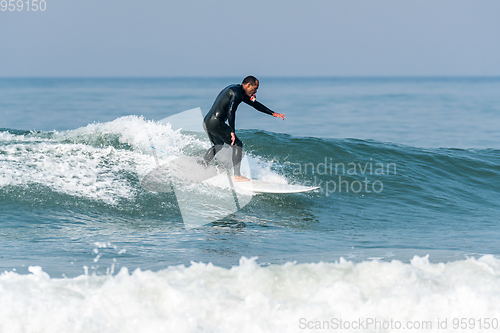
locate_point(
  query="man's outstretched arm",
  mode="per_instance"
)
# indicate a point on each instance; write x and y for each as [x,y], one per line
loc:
[262,108]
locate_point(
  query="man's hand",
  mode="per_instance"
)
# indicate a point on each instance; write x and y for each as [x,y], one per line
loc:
[233,138]
[279,115]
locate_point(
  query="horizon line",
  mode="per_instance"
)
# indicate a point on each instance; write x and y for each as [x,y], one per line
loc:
[261,76]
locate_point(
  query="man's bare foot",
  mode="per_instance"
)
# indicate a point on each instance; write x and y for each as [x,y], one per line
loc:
[241,179]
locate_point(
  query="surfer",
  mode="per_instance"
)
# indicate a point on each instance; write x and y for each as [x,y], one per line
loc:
[224,109]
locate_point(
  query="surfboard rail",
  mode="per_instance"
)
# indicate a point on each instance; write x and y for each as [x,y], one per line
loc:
[260,186]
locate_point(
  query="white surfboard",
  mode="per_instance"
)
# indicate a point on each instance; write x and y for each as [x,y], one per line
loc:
[259,186]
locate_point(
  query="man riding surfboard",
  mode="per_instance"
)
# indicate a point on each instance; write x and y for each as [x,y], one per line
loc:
[224,109]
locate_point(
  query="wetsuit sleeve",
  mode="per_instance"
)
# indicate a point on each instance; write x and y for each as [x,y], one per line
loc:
[231,112]
[257,106]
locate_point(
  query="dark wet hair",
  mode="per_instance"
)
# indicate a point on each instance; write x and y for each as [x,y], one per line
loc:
[250,79]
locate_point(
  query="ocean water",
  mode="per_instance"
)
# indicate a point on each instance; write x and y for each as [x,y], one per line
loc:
[402,231]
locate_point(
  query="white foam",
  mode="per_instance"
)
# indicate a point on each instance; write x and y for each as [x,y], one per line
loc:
[8,137]
[251,298]
[261,170]
[74,169]
[83,162]
[134,131]
[74,163]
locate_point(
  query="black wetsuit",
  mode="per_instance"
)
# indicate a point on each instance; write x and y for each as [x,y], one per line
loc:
[218,131]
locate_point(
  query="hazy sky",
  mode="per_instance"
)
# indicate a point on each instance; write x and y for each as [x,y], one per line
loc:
[265,38]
